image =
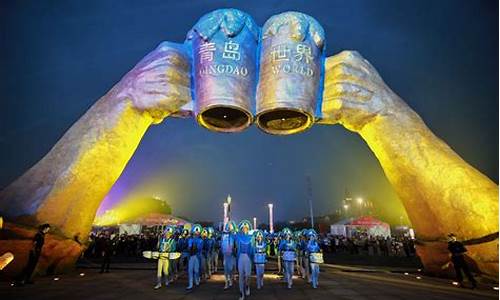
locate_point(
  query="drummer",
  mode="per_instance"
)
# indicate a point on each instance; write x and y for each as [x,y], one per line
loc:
[195,246]
[227,248]
[260,246]
[244,256]
[313,249]
[166,244]
[288,248]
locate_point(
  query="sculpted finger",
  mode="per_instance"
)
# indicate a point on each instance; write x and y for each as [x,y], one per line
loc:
[351,58]
[172,57]
[348,90]
[341,110]
[165,75]
[344,72]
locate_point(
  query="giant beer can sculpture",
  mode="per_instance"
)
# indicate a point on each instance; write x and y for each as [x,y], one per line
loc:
[291,67]
[224,45]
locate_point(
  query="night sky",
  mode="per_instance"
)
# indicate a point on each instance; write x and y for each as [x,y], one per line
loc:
[58,57]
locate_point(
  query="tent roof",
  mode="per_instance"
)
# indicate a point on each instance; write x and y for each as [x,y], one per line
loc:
[343,222]
[367,221]
[152,219]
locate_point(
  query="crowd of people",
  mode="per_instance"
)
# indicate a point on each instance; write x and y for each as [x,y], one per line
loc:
[238,251]
[364,244]
[201,251]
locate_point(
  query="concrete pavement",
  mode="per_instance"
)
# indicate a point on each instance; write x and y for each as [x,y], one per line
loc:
[336,282]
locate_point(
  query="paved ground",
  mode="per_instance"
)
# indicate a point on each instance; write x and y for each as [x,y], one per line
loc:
[135,281]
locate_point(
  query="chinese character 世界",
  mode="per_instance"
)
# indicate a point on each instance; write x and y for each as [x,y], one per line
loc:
[304,53]
[280,53]
[206,52]
[231,50]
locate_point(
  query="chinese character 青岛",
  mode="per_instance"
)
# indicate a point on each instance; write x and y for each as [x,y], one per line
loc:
[231,50]
[206,52]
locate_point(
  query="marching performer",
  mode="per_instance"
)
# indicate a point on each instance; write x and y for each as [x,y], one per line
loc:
[288,249]
[195,246]
[244,256]
[209,248]
[227,248]
[166,244]
[304,263]
[204,255]
[315,256]
[215,251]
[259,260]
[182,247]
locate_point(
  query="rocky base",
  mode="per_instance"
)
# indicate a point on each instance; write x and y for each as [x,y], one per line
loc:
[59,254]
[435,255]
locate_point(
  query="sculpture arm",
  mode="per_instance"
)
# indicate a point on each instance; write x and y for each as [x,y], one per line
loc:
[66,186]
[440,191]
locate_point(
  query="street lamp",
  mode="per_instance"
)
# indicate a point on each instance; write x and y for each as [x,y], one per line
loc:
[360,205]
[228,200]
[226,219]
[271,227]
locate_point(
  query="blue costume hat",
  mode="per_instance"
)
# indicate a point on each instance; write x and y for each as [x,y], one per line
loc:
[312,233]
[258,232]
[286,231]
[230,227]
[196,229]
[169,230]
[244,223]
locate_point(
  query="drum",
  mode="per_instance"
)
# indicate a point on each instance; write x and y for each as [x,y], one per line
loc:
[259,258]
[174,255]
[316,258]
[289,255]
[150,254]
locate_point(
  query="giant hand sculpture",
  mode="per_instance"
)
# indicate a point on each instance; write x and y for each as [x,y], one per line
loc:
[66,187]
[440,191]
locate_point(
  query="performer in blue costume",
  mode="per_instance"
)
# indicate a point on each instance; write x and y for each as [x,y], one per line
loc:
[195,247]
[204,255]
[259,260]
[166,245]
[304,258]
[182,247]
[228,251]
[209,249]
[212,235]
[288,250]
[312,249]
[244,256]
